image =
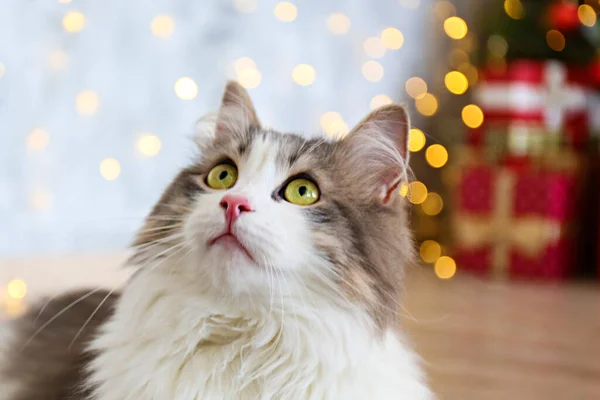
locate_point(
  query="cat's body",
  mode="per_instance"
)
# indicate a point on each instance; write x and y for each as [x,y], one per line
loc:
[275,277]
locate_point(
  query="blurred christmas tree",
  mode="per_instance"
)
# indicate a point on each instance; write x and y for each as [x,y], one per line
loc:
[563,30]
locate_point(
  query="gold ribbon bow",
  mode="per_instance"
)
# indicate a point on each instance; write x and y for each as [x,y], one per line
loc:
[530,235]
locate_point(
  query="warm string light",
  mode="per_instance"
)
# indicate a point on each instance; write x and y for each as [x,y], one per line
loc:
[186,88]
[247,73]
[456,82]
[436,155]
[392,38]
[587,15]
[379,101]
[403,191]
[374,47]
[433,205]
[149,145]
[445,267]
[110,169]
[2,69]
[37,139]
[455,27]
[417,192]
[245,6]
[470,72]
[416,140]
[87,102]
[333,124]
[497,46]
[73,21]
[17,289]
[304,74]
[58,59]
[555,40]
[514,9]
[373,71]
[41,200]
[338,23]
[285,11]
[472,116]
[458,57]
[162,26]
[416,87]
[430,251]
[410,4]
[427,105]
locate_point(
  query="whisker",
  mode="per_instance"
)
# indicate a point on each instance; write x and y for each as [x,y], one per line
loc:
[87,321]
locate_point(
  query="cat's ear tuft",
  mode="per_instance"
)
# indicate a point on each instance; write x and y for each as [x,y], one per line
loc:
[379,147]
[236,116]
[237,112]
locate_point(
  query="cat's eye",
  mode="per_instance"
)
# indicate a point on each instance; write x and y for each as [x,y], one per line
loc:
[302,192]
[223,176]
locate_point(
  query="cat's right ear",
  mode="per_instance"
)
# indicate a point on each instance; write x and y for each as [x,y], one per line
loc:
[236,116]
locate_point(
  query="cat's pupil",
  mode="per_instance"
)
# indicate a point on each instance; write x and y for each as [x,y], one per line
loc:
[302,190]
[223,175]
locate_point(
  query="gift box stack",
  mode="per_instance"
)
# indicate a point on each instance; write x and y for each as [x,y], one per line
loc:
[522,174]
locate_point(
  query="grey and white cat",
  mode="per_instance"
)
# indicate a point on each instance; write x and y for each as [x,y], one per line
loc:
[269,269]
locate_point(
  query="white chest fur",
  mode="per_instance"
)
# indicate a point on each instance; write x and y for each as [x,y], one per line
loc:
[174,344]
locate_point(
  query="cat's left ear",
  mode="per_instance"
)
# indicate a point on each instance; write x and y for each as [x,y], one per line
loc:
[236,116]
[378,149]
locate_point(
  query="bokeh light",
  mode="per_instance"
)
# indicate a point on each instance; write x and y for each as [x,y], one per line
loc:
[555,40]
[587,15]
[392,38]
[2,69]
[285,11]
[403,189]
[379,101]
[37,139]
[149,145]
[433,205]
[417,192]
[338,23]
[333,124]
[162,26]
[245,6]
[372,71]
[410,4]
[458,57]
[445,267]
[73,21]
[243,63]
[472,116]
[304,74]
[186,88]
[41,199]
[436,155]
[374,47]
[427,105]
[456,82]
[416,140]
[455,27]
[514,9]
[87,102]
[430,251]
[470,72]
[444,9]
[58,59]
[249,78]
[416,87]
[110,169]
[17,288]
[497,46]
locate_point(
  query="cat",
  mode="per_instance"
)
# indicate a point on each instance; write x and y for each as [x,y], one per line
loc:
[269,269]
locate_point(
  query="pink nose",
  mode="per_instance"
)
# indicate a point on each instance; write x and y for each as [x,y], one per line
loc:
[234,206]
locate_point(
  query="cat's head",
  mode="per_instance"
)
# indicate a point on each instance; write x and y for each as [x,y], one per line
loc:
[263,213]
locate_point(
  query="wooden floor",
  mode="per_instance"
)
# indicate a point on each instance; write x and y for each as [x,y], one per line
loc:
[480,340]
[485,340]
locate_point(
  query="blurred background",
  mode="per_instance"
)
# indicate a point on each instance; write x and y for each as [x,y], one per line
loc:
[98,101]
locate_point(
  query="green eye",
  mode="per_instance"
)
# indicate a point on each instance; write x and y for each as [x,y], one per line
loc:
[301,192]
[223,176]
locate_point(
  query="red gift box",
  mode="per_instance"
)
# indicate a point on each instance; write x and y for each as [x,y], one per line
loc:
[515,222]
[541,96]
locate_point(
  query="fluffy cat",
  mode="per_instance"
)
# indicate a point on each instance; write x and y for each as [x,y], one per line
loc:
[269,269]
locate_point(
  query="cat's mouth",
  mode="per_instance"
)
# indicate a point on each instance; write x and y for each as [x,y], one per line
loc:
[231,241]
